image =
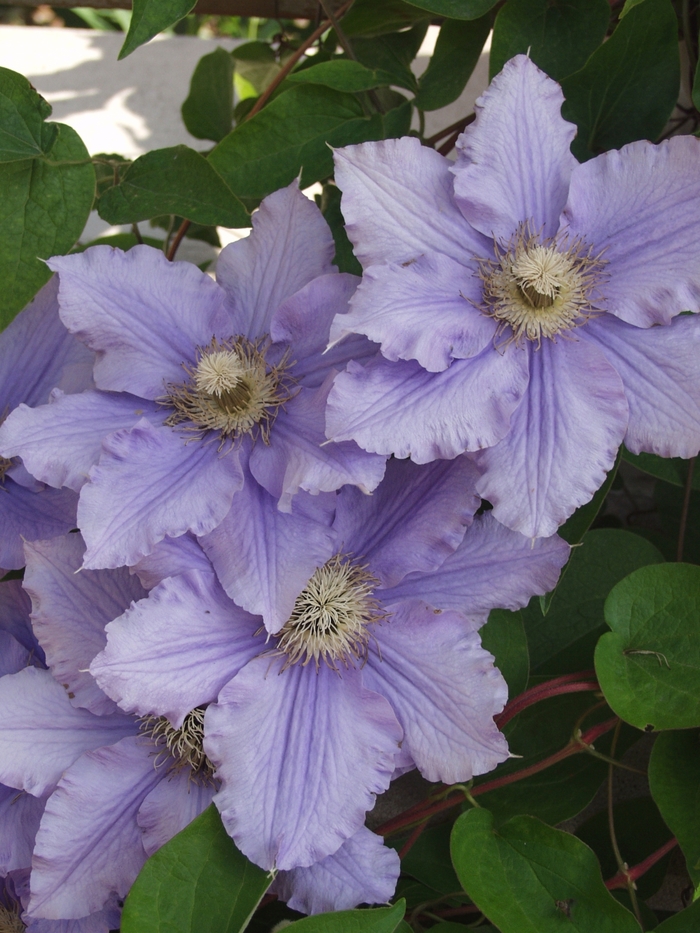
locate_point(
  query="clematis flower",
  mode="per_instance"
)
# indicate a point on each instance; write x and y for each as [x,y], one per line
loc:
[88,792]
[526,306]
[37,355]
[372,661]
[194,380]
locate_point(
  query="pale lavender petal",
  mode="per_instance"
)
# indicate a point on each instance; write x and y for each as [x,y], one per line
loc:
[414,520]
[423,310]
[27,515]
[301,755]
[150,483]
[13,656]
[493,567]
[303,323]
[299,457]
[444,690]
[89,843]
[172,804]
[59,442]
[143,315]
[514,162]
[170,557]
[41,734]
[659,368]
[637,207]
[563,439]
[70,611]
[401,408]
[362,871]
[176,649]
[20,814]
[37,353]
[102,921]
[398,203]
[264,557]
[290,245]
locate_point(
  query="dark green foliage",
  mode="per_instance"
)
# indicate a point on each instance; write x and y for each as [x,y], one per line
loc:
[456,53]
[558,35]
[629,86]
[172,181]
[208,110]
[197,883]
[149,17]
[649,665]
[530,878]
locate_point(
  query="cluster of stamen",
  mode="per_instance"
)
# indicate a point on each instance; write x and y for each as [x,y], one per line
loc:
[331,617]
[180,748]
[540,287]
[231,390]
[10,921]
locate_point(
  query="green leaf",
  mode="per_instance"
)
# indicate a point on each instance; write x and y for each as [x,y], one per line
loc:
[344,257]
[562,790]
[629,86]
[558,35]
[649,665]
[429,862]
[197,883]
[393,54]
[564,639]
[44,205]
[149,17]
[685,921]
[208,110]
[639,830]
[172,181]
[530,878]
[672,470]
[380,920]
[504,636]
[290,134]
[342,75]
[369,18]
[455,9]
[23,133]
[674,781]
[256,64]
[575,527]
[457,51]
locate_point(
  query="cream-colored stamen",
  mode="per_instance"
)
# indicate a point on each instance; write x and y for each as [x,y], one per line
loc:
[180,748]
[331,616]
[231,390]
[540,287]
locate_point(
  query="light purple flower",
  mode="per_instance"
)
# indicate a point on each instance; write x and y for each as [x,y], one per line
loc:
[37,355]
[88,792]
[514,295]
[195,381]
[372,662]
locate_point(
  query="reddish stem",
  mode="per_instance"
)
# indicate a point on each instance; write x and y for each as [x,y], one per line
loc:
[620,879]
[426,809]
[544,692]
[184,227]
[411,841]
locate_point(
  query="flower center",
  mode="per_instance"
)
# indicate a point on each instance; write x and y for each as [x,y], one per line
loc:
[180,748]
[331,616]
[540,288]
[231,390]
[10,921]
